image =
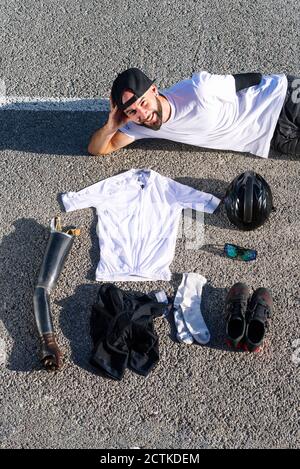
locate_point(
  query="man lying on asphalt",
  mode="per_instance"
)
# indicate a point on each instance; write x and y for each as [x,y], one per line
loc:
[247,112]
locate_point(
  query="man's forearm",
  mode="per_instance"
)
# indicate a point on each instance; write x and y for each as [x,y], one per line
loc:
[100,141]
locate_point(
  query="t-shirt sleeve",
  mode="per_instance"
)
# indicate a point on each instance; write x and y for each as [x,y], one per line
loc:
[220,86]
[133,130]
[97,195]
[187,197]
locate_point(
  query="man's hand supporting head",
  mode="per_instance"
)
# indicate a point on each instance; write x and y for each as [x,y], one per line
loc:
[108,138]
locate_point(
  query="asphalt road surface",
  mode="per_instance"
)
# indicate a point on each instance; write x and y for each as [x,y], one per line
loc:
[197,396]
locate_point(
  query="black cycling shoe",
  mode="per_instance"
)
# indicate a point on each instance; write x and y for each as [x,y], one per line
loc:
[259,311]
[235,309]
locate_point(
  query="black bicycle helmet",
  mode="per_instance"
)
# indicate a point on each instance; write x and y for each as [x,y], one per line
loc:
[248,201]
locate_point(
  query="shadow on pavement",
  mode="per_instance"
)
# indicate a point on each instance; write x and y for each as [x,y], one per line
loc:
[74,323]
[55,131]
[21,254]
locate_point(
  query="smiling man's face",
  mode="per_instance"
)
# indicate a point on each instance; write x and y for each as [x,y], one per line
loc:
[146,110]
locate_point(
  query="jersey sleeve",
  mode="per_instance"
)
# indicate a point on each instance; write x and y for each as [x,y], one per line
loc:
[97,195]
[188,197]
[219,86]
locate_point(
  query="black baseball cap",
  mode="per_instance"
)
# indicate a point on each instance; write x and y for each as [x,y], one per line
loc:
[133,79]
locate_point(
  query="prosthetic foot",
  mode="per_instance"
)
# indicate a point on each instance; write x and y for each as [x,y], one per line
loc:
[59,245]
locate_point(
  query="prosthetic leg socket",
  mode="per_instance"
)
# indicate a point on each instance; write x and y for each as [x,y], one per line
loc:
[58,247]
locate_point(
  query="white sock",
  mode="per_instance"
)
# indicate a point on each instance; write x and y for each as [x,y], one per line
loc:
[188,299]
[183,334]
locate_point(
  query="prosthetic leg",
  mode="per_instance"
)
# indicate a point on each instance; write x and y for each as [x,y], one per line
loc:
[59,245]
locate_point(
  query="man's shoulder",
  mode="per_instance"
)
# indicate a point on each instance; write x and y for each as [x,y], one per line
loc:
[194,81]
[200,78]
[183,86]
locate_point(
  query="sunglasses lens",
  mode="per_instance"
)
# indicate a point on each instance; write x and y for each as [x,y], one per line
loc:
[231,251]
[248,255]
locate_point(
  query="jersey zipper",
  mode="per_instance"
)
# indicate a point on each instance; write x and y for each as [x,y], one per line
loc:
[142,189]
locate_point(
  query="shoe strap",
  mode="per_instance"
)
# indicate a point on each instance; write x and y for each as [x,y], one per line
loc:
[236,307]
[259,312]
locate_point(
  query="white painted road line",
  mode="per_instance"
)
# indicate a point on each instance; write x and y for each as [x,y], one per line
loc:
[3,355]
[23,103]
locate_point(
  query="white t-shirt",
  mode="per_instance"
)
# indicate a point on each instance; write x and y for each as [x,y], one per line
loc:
[138,216]
[206,111]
